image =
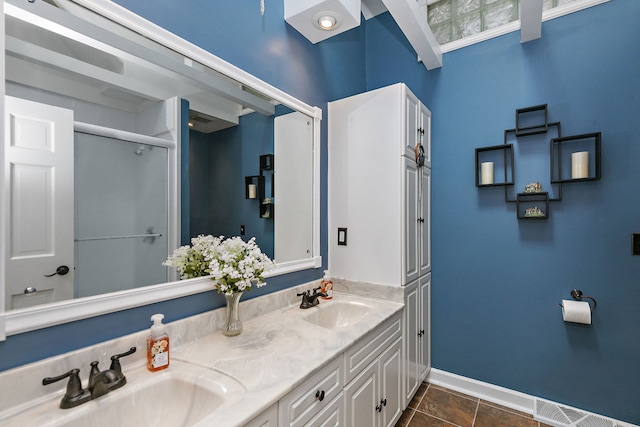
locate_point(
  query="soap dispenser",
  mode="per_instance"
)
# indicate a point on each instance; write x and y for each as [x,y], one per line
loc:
[326,286]
[157,345]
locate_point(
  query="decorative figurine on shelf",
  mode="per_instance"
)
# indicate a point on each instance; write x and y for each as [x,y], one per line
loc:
[533,187]
[534,211]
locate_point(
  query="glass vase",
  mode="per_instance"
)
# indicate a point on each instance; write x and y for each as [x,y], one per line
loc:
[234,325]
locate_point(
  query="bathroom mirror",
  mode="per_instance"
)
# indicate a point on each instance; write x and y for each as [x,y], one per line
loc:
[133,96]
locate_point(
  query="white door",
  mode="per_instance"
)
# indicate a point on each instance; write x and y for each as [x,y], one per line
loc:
[39,230]
[412,339]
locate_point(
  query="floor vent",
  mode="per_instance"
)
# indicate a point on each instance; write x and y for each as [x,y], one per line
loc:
[563,416]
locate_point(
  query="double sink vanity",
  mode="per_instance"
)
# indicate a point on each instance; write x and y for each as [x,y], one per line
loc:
[288,367]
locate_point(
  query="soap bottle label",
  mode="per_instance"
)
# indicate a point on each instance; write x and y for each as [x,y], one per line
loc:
[326,286]
[158,354]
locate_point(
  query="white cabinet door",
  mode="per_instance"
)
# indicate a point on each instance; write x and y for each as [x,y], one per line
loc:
[411,221]
[425,133]
[424,220]
[39,230]
[412,134]
[361,398]
[425,325]
[374,397]
[391,384]
[412,349]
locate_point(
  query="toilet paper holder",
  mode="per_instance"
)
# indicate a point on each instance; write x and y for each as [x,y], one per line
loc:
[577,294]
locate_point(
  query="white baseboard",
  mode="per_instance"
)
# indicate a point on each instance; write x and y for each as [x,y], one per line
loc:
[492,393]
[500,395]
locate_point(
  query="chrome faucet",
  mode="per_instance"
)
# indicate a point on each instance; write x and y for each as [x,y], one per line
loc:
[100,383]
[310,300]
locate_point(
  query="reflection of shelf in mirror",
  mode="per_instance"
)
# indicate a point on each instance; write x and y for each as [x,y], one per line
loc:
[252,184]
[266,208]
[266,162]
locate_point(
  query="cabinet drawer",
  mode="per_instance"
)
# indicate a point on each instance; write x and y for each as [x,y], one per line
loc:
[368,348]
[331,416]
[299,406]
[268,418]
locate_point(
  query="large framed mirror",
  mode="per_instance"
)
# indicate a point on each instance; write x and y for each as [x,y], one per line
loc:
[123,141]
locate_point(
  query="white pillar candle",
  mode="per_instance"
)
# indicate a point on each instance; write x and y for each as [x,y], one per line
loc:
[580,165]
[252,191]
[486,173]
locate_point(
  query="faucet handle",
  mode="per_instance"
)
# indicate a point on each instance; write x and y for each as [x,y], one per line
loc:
[303,294]
[74,386]
[115,360]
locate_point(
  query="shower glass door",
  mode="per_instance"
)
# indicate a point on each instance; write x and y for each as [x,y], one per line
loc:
[121,219]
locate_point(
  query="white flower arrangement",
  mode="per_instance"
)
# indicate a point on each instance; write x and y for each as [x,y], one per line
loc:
[234,265]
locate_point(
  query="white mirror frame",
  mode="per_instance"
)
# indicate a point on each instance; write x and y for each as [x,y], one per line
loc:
[18,321]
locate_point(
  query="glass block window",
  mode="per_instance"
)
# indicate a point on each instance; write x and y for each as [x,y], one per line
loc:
[451,20]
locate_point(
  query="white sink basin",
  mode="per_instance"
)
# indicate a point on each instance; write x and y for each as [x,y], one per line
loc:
[181,395]
[338,314]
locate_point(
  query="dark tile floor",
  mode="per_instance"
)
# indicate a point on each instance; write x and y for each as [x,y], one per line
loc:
[435,406]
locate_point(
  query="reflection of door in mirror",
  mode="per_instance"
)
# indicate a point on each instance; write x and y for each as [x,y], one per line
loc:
[85,200]
[293,149]
[39,234]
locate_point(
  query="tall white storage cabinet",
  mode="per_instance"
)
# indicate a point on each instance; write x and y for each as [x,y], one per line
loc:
[379,206]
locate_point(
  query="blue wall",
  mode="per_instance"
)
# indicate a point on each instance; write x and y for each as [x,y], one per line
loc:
[217,192]
[497,281]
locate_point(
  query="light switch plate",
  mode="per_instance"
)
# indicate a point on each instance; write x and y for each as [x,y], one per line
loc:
[342,236]
[635,243]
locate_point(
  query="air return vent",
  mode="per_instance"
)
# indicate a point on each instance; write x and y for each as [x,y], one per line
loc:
[563,416]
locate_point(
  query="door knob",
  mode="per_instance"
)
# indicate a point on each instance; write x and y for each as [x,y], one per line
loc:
[62,270]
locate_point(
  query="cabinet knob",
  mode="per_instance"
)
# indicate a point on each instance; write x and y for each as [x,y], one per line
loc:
[421,332]
[384,402]
[320,395]
[379,408]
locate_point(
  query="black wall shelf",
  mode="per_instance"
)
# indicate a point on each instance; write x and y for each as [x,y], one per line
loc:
[532,120]
[528,205]
[502,155]
[535,121]
[561,160]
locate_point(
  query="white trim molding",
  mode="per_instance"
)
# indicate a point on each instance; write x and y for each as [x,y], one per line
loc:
[490,392]
[493,393]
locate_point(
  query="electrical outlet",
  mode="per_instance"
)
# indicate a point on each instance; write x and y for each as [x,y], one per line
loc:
[242,230]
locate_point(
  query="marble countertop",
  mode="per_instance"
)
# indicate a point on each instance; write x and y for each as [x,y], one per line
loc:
[276,352]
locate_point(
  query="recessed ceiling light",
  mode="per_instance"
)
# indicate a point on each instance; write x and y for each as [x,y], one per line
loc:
[327,22]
